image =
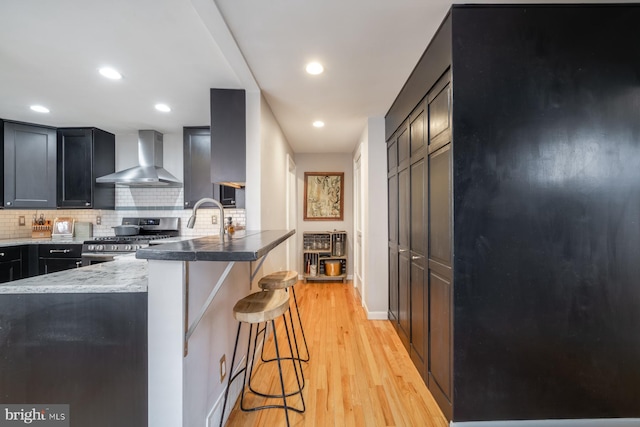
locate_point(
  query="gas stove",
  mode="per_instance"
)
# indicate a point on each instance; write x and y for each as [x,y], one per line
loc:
[104,248]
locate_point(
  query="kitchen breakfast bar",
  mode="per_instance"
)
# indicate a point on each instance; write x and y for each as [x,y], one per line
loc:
[135,341]
[192,287]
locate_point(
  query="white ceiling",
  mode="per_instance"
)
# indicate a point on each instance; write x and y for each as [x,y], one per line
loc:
[173,51]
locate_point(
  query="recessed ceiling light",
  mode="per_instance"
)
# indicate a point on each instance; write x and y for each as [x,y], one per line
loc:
[318,124]
[314,68]
[110,73]
[39,108]
[163,107]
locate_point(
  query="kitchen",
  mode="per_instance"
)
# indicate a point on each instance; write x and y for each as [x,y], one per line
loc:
[272,157]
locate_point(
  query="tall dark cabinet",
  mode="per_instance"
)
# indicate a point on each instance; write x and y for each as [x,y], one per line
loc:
[513,171]
[29,166]
[83,155]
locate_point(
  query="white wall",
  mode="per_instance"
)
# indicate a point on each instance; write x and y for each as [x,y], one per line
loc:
[326,163]
[373,152]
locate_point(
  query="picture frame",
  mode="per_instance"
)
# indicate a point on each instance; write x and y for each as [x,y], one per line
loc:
[323,196]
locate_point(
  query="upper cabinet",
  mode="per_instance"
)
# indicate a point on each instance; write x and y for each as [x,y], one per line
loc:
[228,137]
[29,166]
[83,155]
[197,164]
[198,182]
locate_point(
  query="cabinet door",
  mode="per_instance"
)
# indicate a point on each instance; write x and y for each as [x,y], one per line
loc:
[440,275]
[10,270]
[30,166]
[419,294]
[197,165]
[10,264]
[404,256]
[75,151]
[393,247]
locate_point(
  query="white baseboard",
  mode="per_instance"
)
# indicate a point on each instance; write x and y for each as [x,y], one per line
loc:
[213,418]
[602,422]
[377,315]
[215,413]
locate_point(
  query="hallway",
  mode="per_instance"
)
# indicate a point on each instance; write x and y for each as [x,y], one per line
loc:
[359,373]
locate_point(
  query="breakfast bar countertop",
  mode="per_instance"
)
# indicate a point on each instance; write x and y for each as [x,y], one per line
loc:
[242,246]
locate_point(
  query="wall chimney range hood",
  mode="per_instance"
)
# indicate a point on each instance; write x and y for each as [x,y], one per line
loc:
[149,172]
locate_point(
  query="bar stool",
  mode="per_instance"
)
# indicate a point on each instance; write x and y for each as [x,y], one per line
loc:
[284,280]
[254,309]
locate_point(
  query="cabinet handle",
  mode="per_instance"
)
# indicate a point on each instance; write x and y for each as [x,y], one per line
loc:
[87,203]
[401,251]
[59,251]
[1,253]
[415,257]
[8,203]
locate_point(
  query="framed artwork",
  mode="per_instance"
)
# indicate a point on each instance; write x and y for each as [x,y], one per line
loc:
[323,196]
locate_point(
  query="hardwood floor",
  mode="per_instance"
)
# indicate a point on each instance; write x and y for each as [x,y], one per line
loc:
[359,373]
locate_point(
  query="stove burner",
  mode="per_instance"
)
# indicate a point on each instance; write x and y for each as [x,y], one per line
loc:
[138,237]
[150,229]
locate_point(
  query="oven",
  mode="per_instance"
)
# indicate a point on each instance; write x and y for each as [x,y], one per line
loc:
[106,248]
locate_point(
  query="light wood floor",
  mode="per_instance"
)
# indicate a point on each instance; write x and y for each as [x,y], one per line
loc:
[359,373]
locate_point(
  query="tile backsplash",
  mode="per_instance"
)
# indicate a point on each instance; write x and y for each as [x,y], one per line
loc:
[130,201]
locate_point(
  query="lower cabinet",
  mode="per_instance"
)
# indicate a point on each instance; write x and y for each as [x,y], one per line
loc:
[10,263]
[58,256]
[85,350]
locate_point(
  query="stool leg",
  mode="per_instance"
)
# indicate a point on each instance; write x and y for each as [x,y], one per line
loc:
[299,376]
[249,367]
[295,337]
[284,397]
[301,384]
[233,359]
[304,338]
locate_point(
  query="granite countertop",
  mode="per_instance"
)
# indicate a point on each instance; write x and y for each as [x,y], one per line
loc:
[244,245]
[124,274]
[29,241]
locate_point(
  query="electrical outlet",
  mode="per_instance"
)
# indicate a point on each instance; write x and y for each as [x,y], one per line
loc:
[21,221]
[223,367]
[98,220]
[214,219]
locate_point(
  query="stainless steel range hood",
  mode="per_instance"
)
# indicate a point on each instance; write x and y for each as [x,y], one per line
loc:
[149,172]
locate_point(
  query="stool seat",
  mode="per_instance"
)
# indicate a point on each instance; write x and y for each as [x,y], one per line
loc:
[279,280]
[261,306]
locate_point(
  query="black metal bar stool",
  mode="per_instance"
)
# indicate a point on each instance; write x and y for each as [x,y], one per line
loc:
[254,309]
[284,280]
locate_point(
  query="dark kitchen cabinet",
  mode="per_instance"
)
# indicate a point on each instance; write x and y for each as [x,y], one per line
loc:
[408,291]
[418,240]
[197,164]
[29,166]
[87,350]
[392,184]
[2,161]
[530,177]
[228,136]
[83,155]
[11,265]
[58,257]
[198,182]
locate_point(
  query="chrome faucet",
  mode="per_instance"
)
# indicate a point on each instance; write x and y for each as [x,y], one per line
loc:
[192,220]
